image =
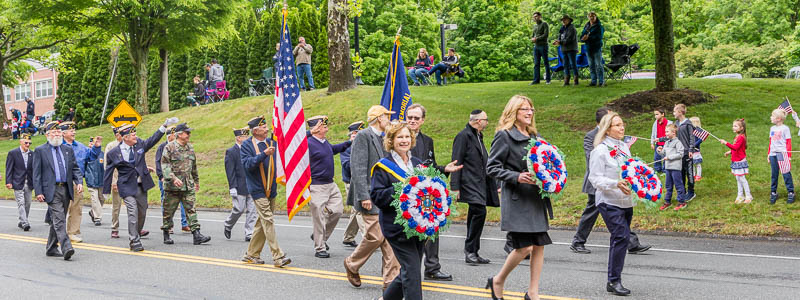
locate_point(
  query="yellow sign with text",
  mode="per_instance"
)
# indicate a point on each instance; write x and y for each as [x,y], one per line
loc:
[124,114]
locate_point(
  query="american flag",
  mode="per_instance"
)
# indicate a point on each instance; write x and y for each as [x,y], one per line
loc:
[629,140]
[784,165]
[786,107]
[700,133]
[290,128]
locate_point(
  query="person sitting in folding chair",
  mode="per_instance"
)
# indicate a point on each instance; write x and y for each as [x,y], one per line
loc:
[198,92]
[448,65]
[420,69]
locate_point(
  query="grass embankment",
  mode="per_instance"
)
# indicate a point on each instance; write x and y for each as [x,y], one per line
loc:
[563,115]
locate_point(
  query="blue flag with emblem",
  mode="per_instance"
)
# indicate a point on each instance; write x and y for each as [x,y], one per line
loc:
[396,96]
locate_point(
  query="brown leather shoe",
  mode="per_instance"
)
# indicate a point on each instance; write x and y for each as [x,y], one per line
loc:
[353,277]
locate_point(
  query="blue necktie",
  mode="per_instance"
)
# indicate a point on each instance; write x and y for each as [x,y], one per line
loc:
[61,170]
[131,159]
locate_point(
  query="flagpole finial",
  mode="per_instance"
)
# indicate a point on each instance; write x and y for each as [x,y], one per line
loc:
[397,37]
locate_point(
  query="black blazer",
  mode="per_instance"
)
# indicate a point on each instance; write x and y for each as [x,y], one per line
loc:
[44,171]
[423,149]
[17,173]
[472,182]
[130,173]
[234,169]
[381,195]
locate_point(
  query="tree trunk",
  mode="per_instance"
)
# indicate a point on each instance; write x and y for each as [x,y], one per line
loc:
[341,68]
[164,69]
[139,62]
[664,39]
[3,109]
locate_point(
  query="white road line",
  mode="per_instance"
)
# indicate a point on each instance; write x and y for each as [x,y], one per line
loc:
[503,240]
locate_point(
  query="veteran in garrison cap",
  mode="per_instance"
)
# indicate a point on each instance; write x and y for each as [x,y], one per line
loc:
[237,184]
[19,178]
[116,200]
[258,158]
[181,182]
[355,223]
[159,172]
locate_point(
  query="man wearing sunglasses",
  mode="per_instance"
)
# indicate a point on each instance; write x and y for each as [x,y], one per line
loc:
[19,177]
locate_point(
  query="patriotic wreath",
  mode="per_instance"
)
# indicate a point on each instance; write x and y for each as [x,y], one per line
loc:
[643,180]
[423,203]
[546,161]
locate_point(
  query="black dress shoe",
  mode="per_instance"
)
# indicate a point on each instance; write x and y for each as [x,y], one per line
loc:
[227,234]
[639,249]
[471,258]
[247,239]
[68,254]
[482,260]
[350,244]
[54,253]
[579,248]
[19,225]
[439,275]
[97,223]
[26,227]
[617,289]
[137,247]
[322,254]
[490,286]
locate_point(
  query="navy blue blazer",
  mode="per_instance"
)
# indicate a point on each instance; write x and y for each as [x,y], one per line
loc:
[235,171]
[44,171]
[17,173]
[129,174]
[381,194]
[251,160]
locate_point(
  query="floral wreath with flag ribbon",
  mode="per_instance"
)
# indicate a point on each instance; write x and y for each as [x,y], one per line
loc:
[546,161]
[423,203]
[645,184]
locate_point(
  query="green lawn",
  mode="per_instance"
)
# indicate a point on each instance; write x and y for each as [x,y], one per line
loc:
[563,115]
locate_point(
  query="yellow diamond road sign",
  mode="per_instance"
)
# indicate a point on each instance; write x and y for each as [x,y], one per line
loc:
[124,114]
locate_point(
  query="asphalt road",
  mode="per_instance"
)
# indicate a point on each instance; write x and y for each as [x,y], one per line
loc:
[102,268]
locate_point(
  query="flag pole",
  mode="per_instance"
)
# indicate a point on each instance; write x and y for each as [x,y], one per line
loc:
[641,138]
[660,160]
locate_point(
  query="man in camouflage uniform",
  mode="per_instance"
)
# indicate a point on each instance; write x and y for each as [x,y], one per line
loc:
[181,182]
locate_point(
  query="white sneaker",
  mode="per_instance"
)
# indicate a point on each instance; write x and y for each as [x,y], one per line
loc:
[739,199]
[748,199]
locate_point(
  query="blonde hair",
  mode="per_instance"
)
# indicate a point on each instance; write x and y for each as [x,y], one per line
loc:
[779,113]
[423,50]
[672,127]
[695,122]
[681,108]
[393,130]
[509,115]
[605,124]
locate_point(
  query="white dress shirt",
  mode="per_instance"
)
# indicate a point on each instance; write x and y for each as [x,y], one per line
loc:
[604,173]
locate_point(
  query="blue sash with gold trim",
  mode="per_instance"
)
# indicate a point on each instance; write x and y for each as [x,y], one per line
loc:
[390,167]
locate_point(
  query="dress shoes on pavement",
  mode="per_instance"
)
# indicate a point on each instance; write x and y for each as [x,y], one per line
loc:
[227,234]
[439,276]
[68,254]
[247,238]
[352,277]
[639,249]
[579,248]
[186,229]
[137,247]
[474,259]
[322,254]
[55,253]
[144,233]
[350,244]
[617,289]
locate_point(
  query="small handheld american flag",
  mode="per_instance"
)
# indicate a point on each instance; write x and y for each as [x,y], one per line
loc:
[700,133]
[629,140]
[784,165]
[786,107]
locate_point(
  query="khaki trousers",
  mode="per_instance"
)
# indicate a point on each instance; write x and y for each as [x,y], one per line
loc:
[116,204]
[326,208]
[97,202]
[74,213]
[264,231]
[373,238]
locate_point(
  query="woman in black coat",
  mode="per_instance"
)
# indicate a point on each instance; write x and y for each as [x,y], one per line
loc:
[524,212]
[408,284]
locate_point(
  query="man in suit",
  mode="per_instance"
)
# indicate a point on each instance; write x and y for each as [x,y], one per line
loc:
[355,223]
[590,213]
[423,149]
[56,177]
[82,154]
[116,200]
[237,183]
[472,185]
[134,178]
[367,150]
[258,159]
[19,177]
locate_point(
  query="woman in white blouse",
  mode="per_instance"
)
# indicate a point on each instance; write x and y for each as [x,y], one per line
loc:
[613,195]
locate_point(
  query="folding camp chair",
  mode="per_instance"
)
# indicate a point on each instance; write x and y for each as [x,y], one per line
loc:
[620,66]
[558,69]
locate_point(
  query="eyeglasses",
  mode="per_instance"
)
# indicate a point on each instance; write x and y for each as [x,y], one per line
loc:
[527,109]
[414,118]
[26,143]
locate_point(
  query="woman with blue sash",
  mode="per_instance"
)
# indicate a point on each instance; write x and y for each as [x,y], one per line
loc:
[394,168]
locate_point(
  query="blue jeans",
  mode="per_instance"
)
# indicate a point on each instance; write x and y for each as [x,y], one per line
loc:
[418,75]
[305,69]
[539,54]
[659,166]
[183,212]
[596,66]
[439,69]
[674,178]
[618,222]
[570,62]
[787,178]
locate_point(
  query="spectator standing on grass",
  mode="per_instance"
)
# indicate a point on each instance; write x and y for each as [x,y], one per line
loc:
[672,152]
[687,138]
[780,156]
[592,35]
[30,109]
[70,115]
[302,57]
[568,40]
[697,158]
[657,132]
[216,73]
[541,31]
[739,167]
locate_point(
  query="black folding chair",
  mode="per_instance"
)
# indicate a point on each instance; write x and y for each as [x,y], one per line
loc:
[620,65]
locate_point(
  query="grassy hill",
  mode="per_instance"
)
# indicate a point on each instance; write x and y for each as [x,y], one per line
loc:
[562,114]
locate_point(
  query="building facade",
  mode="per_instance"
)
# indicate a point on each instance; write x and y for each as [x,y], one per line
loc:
[41,86]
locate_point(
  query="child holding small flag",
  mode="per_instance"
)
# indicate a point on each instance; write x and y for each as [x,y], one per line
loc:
[739,166]
[697,158]
[672,151]
[780,155]
[659,125]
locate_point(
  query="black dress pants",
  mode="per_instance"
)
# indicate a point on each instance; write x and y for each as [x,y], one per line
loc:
[476,218]
[58,229]
[618,221]
[408,284]
[588,219]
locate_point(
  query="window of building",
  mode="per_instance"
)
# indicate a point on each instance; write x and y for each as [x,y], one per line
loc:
[7,94]
[44,88]
[21,91]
